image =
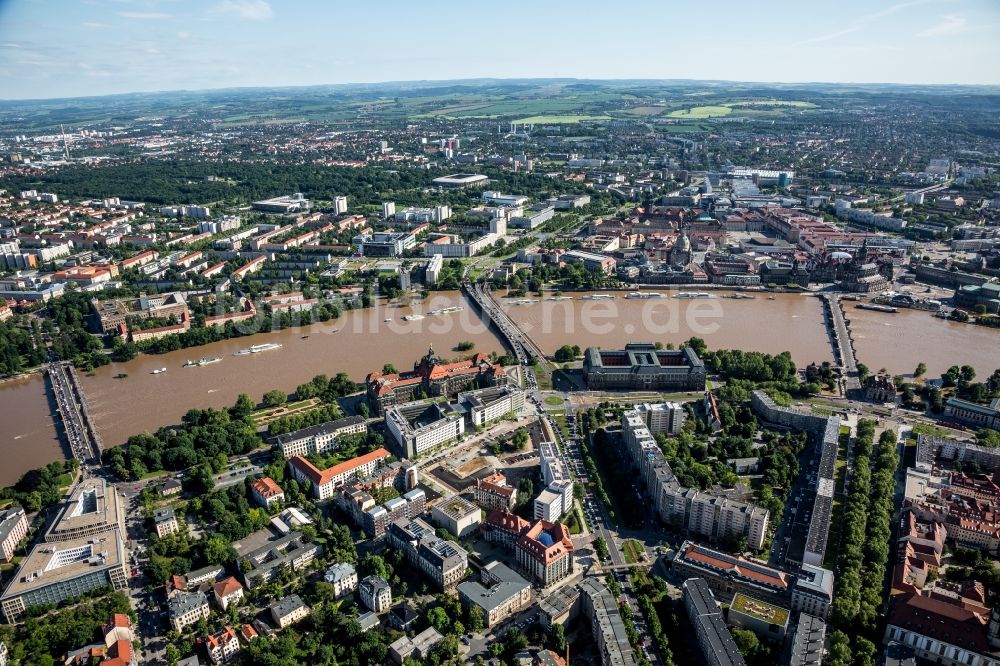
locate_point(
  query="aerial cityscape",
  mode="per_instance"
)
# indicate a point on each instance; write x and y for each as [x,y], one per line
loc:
[357,351]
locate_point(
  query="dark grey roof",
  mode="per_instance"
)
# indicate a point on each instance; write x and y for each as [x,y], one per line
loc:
[320,429]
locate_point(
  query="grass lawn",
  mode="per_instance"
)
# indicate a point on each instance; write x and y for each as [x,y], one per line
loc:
[633,551]
[701,112]
[558,120]
[573,522]
[264,416]
[554,401]
[153,475]
[927,429]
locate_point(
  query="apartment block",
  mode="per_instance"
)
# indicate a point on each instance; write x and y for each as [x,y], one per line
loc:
[714,640]
[13,529]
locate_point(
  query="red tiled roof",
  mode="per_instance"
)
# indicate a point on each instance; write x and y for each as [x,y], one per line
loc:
[737,565]
[325,476]
[266,487]
[506,521]
[562,543]
[227,635]
[939,620]
[226,587]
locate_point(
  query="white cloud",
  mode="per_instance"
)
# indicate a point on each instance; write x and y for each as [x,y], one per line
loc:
[183,34]
[949,25]
[860,23]
[250,10]
[145,16]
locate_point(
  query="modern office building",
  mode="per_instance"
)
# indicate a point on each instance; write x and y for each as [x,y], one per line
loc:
[768,621]
[483,406]
[714,640]
[384,244]
[92,508]
[82,550]
[643,367]
[418,428]
[319,438]
[500,593]
[294,203]
[53,572]
[461,180]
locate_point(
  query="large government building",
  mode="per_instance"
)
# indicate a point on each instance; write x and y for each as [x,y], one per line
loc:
[643,367]
[83,550]
[432,377]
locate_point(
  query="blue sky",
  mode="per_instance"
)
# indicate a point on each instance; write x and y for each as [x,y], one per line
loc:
[57,48]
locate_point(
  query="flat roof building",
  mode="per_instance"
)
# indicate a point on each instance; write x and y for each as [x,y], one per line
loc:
[293,203]
[461,180]
[641,366]
[457,515]
[606,623]
[93,507]
[13,529]
[53,572]
[418,428]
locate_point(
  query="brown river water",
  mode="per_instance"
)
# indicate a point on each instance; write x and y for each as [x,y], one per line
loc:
[362,341]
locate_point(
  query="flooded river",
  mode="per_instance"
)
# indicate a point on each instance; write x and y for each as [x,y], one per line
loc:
[362,341]
[28,436]
[790,322]
[358,343]
[898,342]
